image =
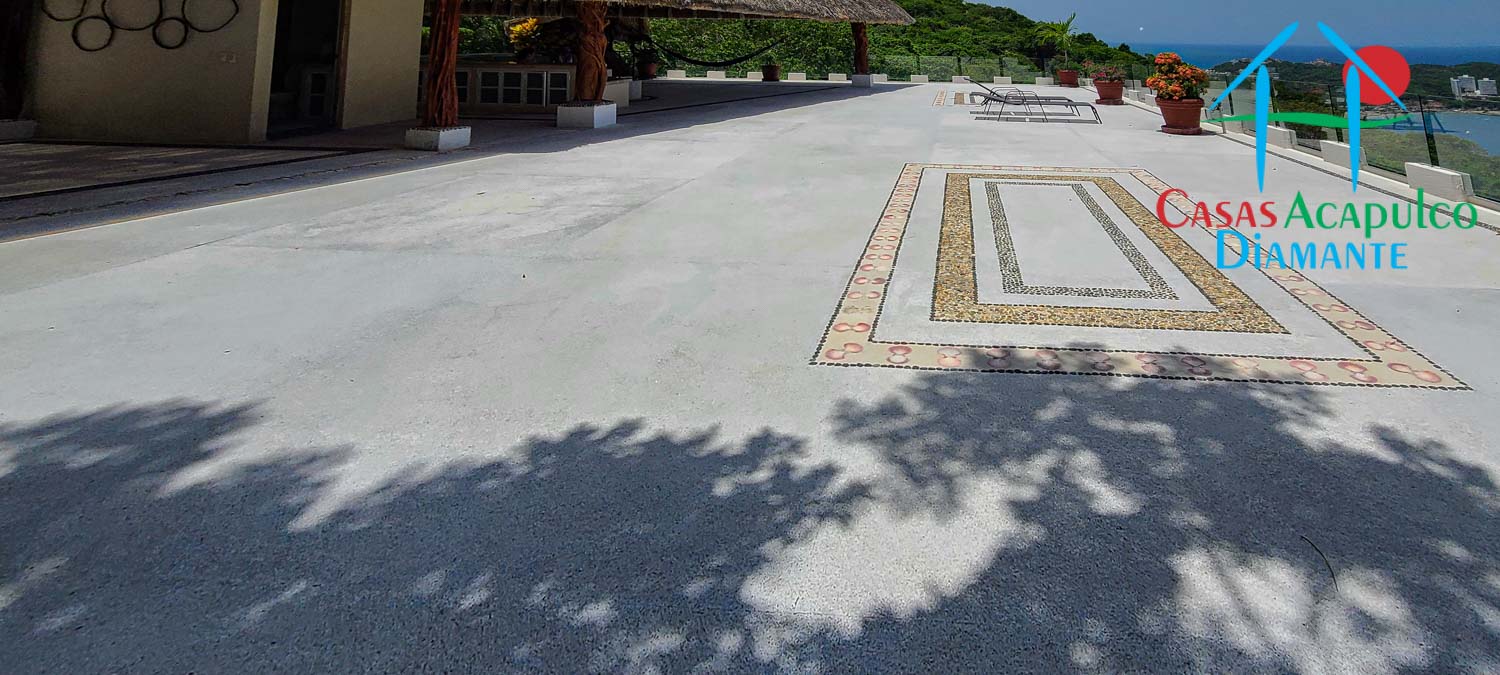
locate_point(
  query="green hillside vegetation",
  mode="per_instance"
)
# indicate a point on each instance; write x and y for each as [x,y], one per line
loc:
[955,29]
[949,35]
[1391,149]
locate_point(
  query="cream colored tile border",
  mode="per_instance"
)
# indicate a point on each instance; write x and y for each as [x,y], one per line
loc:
[847,339]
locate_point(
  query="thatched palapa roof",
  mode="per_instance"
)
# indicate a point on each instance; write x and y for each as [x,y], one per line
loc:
[852,11]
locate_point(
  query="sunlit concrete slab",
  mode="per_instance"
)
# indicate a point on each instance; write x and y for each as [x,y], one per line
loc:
[564,401]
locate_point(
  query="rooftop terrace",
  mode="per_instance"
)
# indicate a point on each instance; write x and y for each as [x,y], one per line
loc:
[840,380]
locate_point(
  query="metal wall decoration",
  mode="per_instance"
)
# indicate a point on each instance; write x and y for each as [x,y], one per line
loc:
[95,31]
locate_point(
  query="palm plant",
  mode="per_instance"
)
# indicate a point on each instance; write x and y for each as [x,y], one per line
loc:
[1059,34]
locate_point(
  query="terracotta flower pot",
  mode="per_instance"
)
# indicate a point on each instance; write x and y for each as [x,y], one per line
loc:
[770,72]
[1067,78]
[646,71]
[1111,92]
[1181,116]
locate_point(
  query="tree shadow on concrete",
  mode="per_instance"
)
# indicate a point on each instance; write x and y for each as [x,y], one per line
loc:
[1143,525]
[602,548]
[1192,527]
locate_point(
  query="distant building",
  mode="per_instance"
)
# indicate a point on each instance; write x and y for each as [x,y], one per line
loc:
[1487,87]
[1464,85]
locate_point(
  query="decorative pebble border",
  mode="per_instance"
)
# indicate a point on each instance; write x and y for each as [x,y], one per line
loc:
[956,294]
[848,339]
[1010,265]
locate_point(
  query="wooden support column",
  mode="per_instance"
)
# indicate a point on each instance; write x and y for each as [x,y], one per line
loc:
[441,107]
[861,49]
[593,74]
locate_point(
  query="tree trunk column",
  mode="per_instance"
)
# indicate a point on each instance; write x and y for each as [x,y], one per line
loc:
[592,72]
[441,108]
[861,49]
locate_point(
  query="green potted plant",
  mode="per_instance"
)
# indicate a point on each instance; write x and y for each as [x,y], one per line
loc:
[770,72]
[1059,34]
[1109,81]
[1178,86]
[646,60]
[1067,73]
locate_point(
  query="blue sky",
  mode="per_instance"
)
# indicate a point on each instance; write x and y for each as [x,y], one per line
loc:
[1408,23]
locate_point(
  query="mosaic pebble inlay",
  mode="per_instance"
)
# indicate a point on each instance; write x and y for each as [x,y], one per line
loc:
[847,341]
[956,288]
[1010,265]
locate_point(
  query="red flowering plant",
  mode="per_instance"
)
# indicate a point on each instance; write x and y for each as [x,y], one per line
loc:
[1104,73]
[1175,79]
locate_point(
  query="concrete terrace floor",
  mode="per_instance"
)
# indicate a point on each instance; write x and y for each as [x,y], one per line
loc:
[547,405]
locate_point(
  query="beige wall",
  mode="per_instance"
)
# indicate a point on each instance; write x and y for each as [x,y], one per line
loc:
[382,54]
[212,90]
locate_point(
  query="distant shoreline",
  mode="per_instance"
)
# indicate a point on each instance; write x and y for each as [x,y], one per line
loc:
[1208,55]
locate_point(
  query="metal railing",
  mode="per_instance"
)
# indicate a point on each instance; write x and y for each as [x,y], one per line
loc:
[1453,133]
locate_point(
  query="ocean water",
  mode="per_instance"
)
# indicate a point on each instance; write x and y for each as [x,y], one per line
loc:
[1482,129]
[1212,55]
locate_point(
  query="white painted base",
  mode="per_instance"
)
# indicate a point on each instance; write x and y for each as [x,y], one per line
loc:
[637,90]
[796,77]
[1281,138]
[618,91]
[437,140]
[1445,183]
[1338,153]
[755,76]
[584,116]
[880,77]
[717,75]
[920,79]
[17,130]
[838,77]
[1002,79]
[863,81]
[677,73]
[1044,81]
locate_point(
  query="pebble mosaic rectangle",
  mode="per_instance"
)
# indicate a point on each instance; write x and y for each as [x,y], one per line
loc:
[849,338]
[1010,265]
[956,291]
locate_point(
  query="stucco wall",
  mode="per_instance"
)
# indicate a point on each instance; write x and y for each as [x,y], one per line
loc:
[211,90]
[382,55]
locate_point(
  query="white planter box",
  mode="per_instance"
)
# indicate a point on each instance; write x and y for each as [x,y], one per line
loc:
[717,75]
[1044,81]
[1338,153]
[1445,183]
[1002,79]
[17,130]
[637,90]
[618,91]
[437,139]
[677,73]
[838,77]
[880,77]
[755,76]
[960,79]
[920,79]
[586,116]
[1281,138]
[864,81]
[796,77]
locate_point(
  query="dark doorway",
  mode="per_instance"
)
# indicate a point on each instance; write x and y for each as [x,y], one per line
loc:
[304,69]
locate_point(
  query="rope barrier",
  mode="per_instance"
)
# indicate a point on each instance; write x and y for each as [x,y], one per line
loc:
[718,64]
